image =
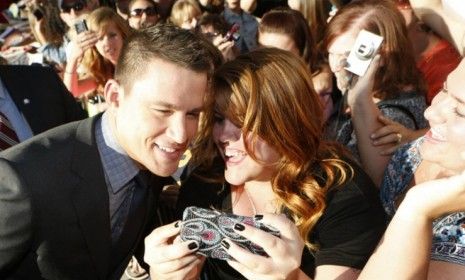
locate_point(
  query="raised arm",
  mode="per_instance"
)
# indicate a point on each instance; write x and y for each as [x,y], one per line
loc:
[364,114]
[421,206]
[74,53]
[442,21]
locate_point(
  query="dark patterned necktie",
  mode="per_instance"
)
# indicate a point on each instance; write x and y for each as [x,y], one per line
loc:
[135,219]
[8,136]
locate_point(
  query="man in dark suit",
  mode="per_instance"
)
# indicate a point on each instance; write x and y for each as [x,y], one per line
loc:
[74,202]
[34,100]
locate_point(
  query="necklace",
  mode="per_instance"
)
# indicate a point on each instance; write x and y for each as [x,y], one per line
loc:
[250,200]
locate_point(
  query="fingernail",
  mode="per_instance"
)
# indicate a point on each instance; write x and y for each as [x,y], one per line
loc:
[372,136]
[192,246]
[239,227]
[258,217]
[176,224]
[225,244]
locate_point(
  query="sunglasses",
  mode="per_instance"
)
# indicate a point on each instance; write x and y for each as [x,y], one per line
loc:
[150,11]
[76,6]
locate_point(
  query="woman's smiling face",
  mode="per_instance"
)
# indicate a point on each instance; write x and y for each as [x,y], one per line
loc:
[241,167]
[445,142]
[110,43]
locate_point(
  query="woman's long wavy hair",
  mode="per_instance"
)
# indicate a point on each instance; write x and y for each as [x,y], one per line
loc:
[98,21]
[293,24]
[398,70]
[269,94]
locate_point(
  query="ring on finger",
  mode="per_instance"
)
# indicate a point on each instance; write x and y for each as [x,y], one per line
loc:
[399,137]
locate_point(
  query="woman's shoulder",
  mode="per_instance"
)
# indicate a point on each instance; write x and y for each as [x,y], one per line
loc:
[358,191]
[409,99]
[403,106]
[354,209]
[399,173]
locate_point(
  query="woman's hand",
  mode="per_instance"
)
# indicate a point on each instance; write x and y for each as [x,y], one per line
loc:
[81,43]
[169,257]
[362,87]
[226,47]
[393,133]
[434,198]
[285,252]
[397,255]
[343,78]
[39,27]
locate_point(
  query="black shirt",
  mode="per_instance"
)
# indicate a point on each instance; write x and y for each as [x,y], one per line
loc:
[347,232]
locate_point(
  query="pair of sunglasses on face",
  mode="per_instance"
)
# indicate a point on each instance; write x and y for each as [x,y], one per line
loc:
[76,6]
[149,11]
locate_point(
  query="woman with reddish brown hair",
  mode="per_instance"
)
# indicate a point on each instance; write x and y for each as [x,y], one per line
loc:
[393,88]
[97,50]
[265,129]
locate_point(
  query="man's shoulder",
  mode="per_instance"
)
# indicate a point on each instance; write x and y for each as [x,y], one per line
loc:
[56,142]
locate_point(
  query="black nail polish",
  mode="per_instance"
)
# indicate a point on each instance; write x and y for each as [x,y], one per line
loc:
[258,217]
[192,246]
[176,224]
[225,244]
[239,227]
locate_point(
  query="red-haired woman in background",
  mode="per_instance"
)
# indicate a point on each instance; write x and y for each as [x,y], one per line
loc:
[395,89]
[97,50]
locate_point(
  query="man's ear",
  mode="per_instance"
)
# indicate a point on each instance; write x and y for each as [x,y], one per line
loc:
[112,93]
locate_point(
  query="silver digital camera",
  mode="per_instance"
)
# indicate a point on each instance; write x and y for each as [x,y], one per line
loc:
[362,53]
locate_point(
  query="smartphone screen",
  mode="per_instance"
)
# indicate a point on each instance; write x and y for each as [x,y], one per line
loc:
[233,33]
[362,53]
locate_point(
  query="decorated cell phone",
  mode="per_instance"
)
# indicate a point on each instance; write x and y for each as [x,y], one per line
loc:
[209,228]
[233,33]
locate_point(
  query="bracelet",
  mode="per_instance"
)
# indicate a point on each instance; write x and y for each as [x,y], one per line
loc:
[71,73]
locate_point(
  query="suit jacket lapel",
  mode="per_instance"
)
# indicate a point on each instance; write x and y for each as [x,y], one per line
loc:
[91,197]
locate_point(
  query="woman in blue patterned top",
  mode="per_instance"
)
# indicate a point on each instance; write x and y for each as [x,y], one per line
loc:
[440,153]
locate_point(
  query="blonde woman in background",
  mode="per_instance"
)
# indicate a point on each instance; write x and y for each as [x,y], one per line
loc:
[97,50]
[185,14]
